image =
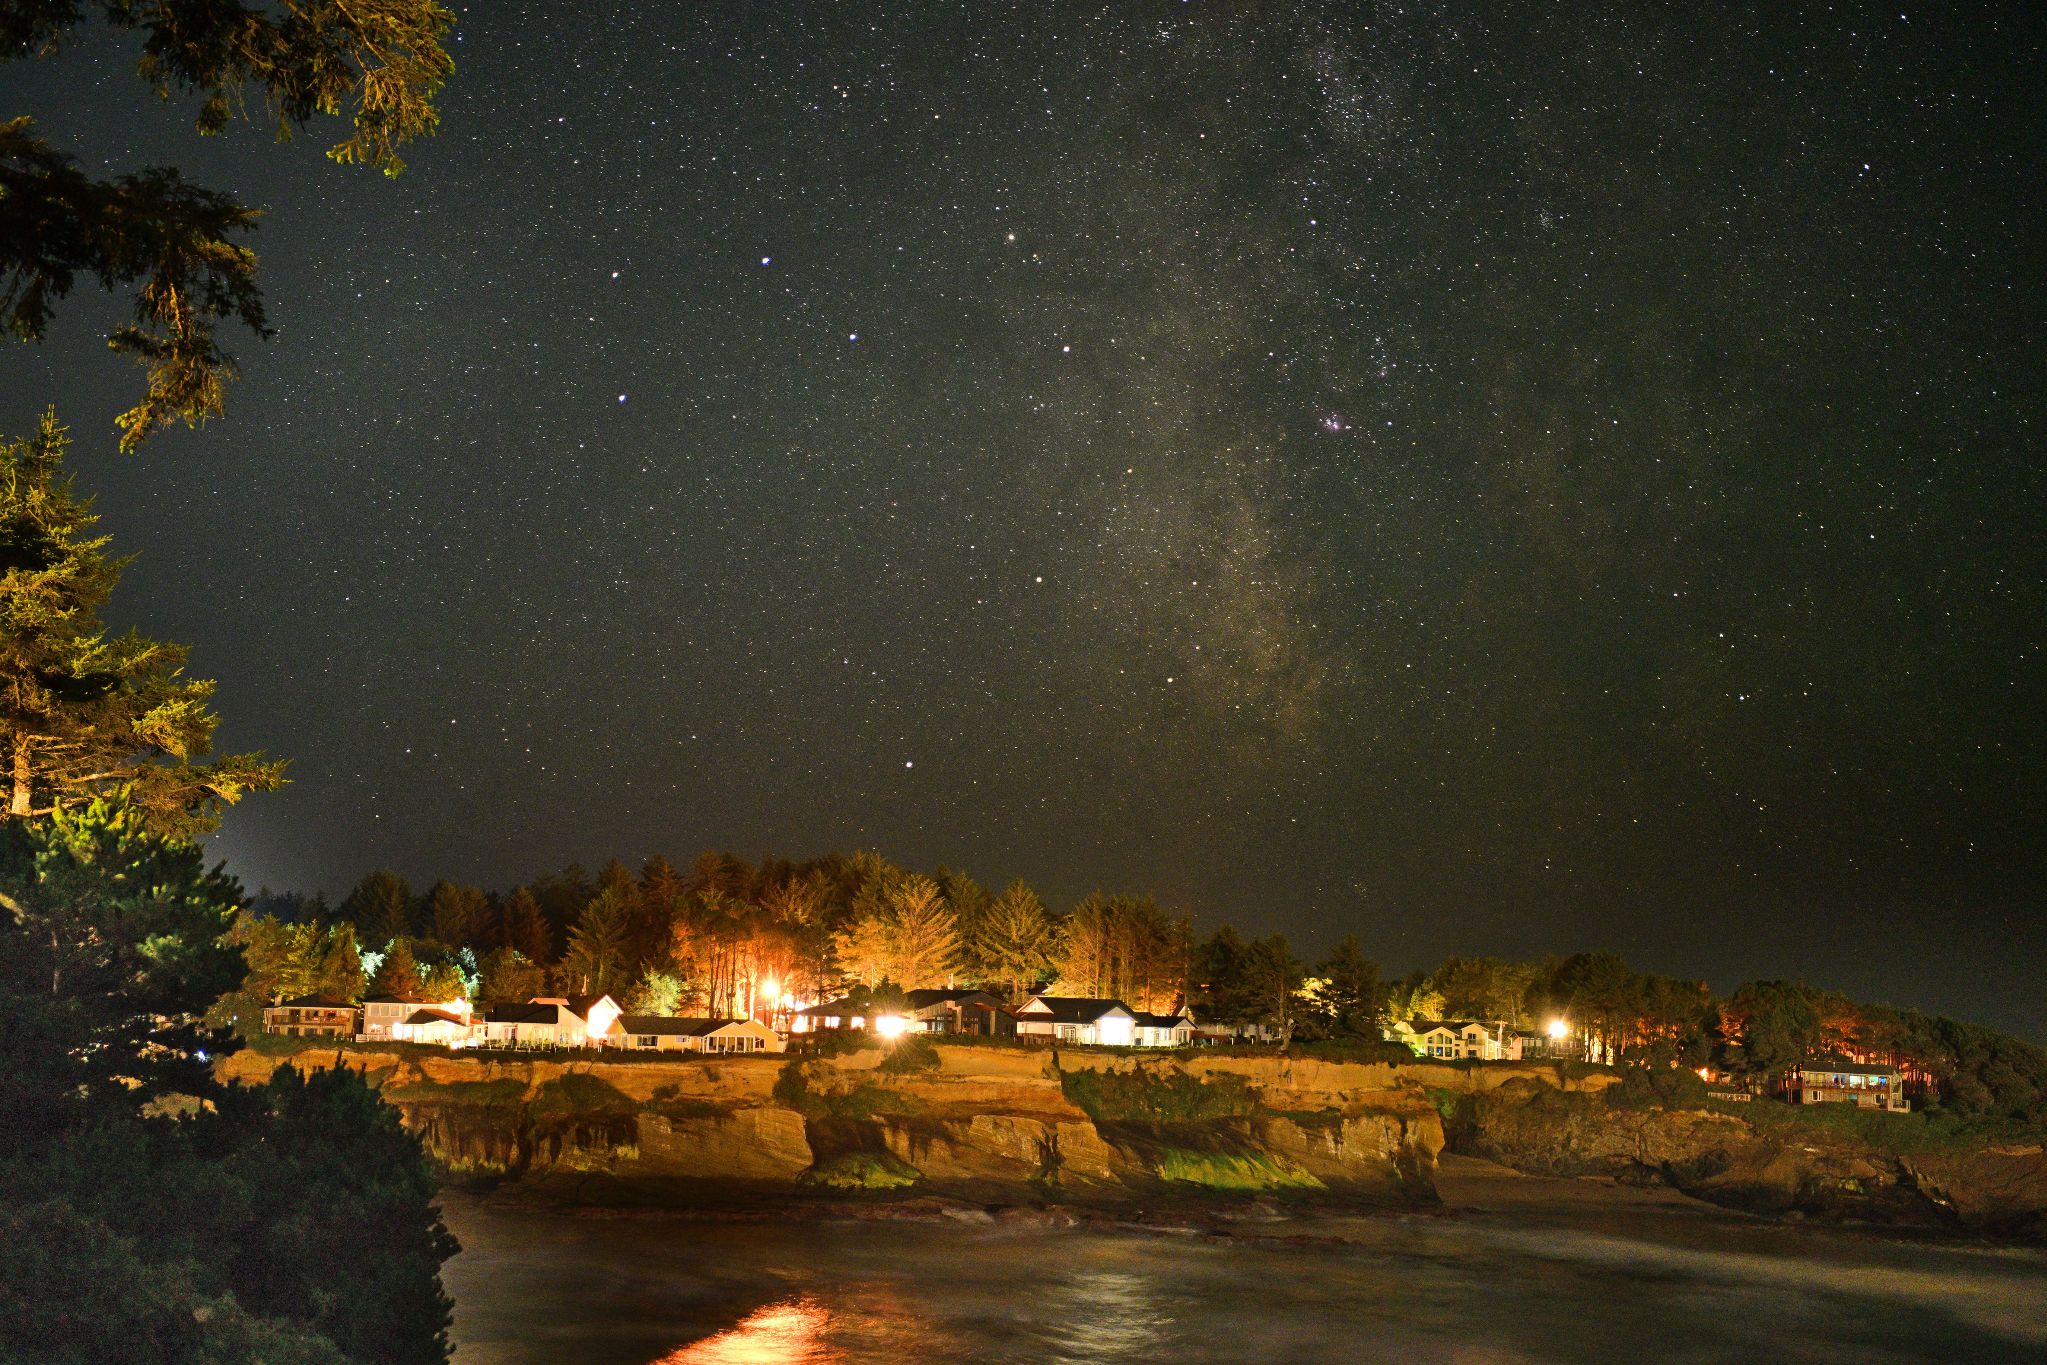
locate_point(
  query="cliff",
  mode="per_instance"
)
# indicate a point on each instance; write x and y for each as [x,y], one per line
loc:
[995,1125]
[1765,1158]
[1011,1126]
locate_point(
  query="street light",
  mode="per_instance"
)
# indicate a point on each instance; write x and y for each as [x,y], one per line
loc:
[1559,1029]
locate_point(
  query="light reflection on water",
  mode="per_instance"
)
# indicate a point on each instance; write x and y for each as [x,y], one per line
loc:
[789,1333]
[533,1288]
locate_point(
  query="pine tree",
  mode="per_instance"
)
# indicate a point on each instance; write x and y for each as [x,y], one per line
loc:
[113,943]
[507,977]
[526,928]
[457,915]
[926,938]
[1016,941]
[82,713]
[397,975]
[380,907]
[340,975]
[177,245]
[597,959]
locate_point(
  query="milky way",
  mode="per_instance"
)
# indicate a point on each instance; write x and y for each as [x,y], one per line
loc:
[1486,479]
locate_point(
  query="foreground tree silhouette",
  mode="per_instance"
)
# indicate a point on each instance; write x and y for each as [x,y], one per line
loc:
[175,244]
[83,712]
[280,1224]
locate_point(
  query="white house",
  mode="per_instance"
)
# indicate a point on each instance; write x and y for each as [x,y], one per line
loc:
[1455,1039]
[384,1016]
[657,1033]
[311,1016]
[435,1026]
[553,1021]
[1865,1087]
[1163,1030]
[1077,1019]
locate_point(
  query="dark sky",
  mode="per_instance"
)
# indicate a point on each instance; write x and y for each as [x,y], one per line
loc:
[1489,478]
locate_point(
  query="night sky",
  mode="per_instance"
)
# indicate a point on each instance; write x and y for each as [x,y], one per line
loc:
[1488,478]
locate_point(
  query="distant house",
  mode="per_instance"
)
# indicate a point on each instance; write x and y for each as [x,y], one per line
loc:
[383,1014]
[658,1033]
[427,1025]
[1076,1019]
[1456,1039]
[311,1016]
[953,1011]
[1865,1087]
[553,1021]
[1163,1030]
[831,1014]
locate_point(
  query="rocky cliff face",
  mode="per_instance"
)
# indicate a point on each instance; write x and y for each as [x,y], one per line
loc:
[995,1124]
[1746,1163]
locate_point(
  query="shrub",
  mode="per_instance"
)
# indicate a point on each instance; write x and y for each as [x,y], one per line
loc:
[863,1171]
[578,1094]
[1657,1087]
[910,1053]
[1157,1094]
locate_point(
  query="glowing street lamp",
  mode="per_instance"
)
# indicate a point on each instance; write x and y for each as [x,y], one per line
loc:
[1559,1029]
[890,1025]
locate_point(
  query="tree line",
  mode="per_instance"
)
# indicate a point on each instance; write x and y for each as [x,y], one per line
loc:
[715,939]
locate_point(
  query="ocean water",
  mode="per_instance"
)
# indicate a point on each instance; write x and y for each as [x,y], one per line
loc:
[1540,1274]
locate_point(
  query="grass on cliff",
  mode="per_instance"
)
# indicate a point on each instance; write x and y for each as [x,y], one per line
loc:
[867,1100]
[1911,1134]
[1234,1172]
[501,1093]
[580,1095]
[863,1171]
[1157,1095]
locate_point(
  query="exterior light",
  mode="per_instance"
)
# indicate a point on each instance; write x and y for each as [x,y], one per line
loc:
[1558,1028]
[890,1025]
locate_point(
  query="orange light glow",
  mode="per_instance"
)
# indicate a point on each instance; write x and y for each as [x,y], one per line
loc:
[1558,1028]
[780,1334]
[890,1025]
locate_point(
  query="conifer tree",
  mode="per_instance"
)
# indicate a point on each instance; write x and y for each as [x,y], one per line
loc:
[597,959]
[397,975]
[380,907]
[81,711]
[177,245]
[1016,943]
[526,928]
[457,915]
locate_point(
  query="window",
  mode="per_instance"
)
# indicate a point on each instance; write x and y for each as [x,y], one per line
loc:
[645,1040]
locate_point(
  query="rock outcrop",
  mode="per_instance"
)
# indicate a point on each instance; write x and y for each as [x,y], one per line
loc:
[1782,1168]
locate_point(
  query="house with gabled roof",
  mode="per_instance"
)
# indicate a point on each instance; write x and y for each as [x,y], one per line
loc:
[1865,1087]
[429,1025]
[1163,1030]
[310,1016]
[1076,1019]
[660,1033]
[553,1021]
[953,1011]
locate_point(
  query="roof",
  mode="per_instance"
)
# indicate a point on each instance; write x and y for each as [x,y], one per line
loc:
[313,1002]
[524,1014]
[841,1008]
[924,1000]
[1165,1020]
[674,1028]
[1454,1025]
[436,1017]
[1074,1009]
[1828,1068]
[392,1000]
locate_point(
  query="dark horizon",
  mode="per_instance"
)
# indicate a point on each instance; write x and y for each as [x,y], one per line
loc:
[1497,485]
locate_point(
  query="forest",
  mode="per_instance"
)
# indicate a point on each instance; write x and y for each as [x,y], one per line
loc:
[722,936]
